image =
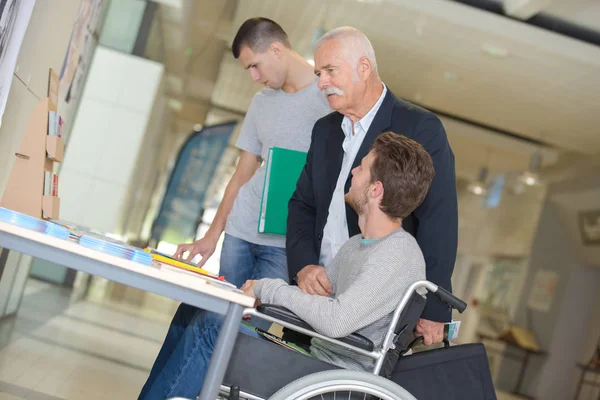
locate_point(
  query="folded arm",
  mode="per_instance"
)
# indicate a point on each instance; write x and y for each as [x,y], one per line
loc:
[374,293]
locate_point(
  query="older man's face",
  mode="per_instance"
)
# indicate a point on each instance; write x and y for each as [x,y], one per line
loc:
[336,77]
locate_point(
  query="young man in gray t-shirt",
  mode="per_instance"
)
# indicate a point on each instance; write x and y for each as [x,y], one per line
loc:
[282,115]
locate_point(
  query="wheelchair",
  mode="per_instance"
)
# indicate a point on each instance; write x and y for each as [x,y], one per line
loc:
[260,369]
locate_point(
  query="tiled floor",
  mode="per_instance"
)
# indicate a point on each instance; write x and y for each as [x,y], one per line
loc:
[100,346]
[60,348]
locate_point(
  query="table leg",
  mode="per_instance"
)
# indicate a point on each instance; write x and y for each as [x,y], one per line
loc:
[522,374]
[222,353]
[3,258]
[579,385]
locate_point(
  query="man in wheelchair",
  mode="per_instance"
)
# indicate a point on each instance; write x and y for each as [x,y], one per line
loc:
[368,274]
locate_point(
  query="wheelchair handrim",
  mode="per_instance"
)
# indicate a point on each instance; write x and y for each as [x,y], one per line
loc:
[349,386]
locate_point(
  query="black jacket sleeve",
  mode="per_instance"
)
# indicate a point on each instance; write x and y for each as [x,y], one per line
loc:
[437,216]
[301,246]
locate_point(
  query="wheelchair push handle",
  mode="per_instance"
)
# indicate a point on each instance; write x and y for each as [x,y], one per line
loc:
[450,299]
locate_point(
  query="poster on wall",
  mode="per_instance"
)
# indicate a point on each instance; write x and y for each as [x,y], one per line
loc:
[543,290]
[501,284]
[589,227]
[83,42]
[14,18]
[183,203]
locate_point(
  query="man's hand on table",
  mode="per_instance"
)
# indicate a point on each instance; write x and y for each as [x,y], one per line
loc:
[432,331]
[313,280]
[248,289]
[205,247]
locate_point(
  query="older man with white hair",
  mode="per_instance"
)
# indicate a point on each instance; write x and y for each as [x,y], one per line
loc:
[319,221]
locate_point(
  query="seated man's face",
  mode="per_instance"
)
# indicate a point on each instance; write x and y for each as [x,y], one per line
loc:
[358,195]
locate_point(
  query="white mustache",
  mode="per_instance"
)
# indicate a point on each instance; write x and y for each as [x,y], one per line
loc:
[332,90]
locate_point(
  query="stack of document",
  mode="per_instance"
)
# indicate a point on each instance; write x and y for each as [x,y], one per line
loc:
[31,223]
[169,261]
[55,124]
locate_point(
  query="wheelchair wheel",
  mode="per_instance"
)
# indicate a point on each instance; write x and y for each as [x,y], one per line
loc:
[342,384]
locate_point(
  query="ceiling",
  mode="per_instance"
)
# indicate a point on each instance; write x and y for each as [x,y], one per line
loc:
[492,79]
[585,13]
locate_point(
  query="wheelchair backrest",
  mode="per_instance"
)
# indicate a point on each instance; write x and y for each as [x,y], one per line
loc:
[408,320]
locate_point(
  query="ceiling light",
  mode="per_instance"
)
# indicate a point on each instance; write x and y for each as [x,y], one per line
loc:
[494,51]
[311,61]
[478,187]
[170,3]
[531,177]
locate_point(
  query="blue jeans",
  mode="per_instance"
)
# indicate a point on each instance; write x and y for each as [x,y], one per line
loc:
[183,360]
[242,260]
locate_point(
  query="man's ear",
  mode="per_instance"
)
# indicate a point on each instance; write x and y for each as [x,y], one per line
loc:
[364,67]
[276,48]
[377,189]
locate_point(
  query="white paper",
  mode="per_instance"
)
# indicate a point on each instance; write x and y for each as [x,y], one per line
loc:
[453,328]
[543,290]
[14,18]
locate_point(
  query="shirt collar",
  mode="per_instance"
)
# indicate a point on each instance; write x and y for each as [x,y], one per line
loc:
[366,121]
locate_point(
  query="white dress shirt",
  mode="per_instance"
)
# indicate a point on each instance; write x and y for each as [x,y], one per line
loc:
[335,232]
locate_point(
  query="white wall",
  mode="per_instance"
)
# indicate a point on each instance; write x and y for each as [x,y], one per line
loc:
[43,47]
[564,331]
[571,326]
[108,133]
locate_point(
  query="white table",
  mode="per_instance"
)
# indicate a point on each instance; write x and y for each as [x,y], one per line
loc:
[193,290]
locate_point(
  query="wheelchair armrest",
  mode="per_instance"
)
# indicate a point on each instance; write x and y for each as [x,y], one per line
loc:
[286,315]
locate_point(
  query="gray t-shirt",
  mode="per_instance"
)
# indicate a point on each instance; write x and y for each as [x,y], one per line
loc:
[274,119]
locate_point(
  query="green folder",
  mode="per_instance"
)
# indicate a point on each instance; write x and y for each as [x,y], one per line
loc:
[283,170]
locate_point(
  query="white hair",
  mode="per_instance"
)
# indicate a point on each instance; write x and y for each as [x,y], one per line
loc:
[355,43]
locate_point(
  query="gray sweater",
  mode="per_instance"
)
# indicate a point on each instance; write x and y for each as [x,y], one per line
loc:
[368,279]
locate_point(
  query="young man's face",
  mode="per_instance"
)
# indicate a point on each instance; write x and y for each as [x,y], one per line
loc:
[360,187]
[338,79]
[265,68]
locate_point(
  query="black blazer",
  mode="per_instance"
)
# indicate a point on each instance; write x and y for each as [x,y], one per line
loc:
[434,223]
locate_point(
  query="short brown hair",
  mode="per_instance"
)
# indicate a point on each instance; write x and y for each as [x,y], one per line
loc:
[258,34]
[406,171]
